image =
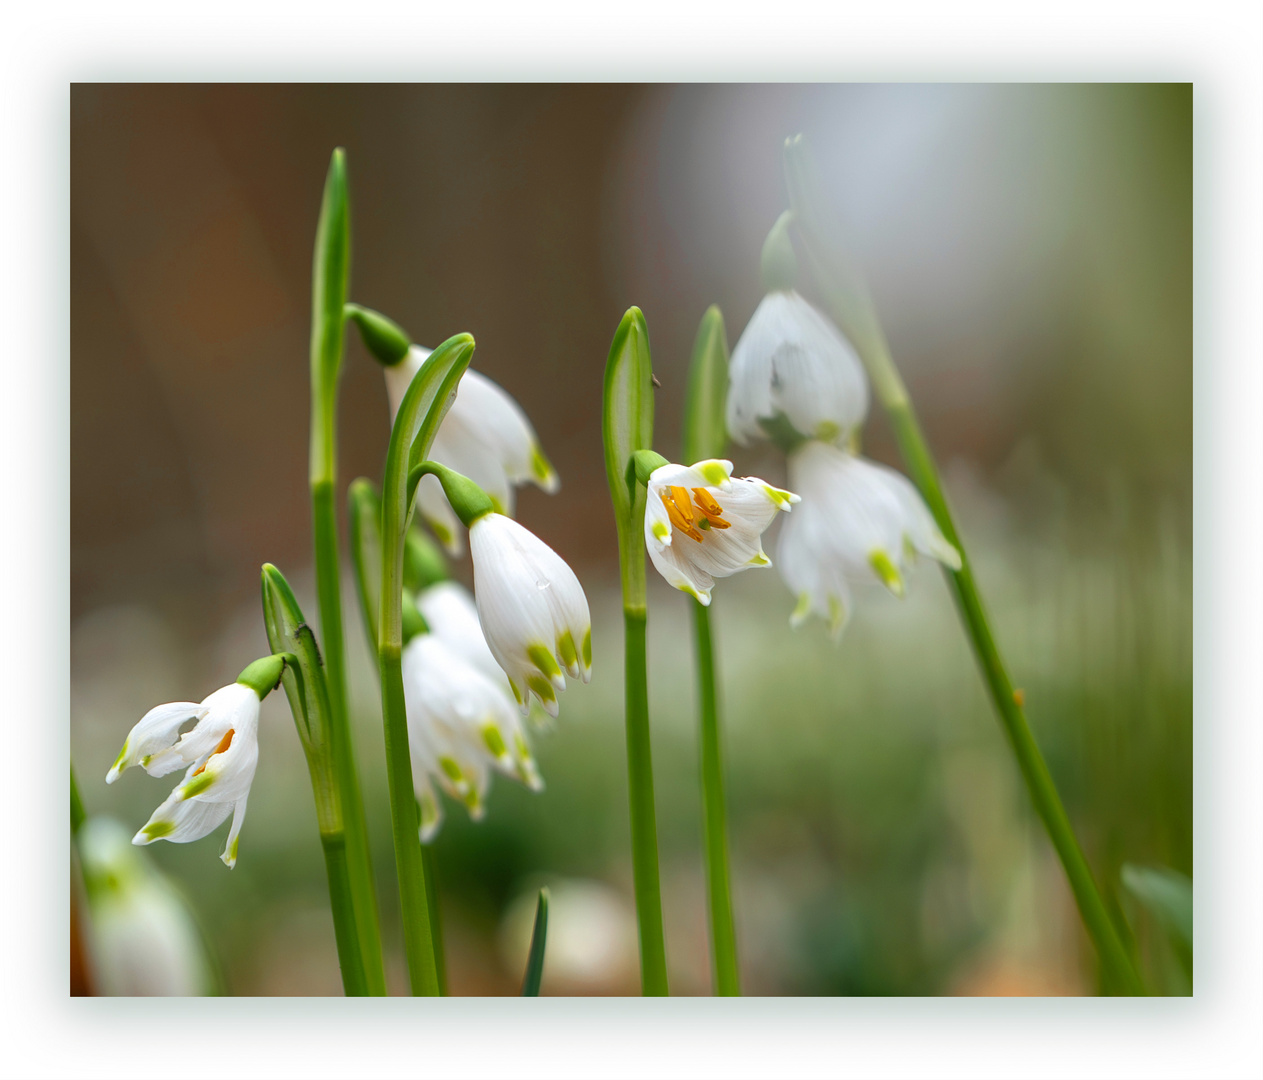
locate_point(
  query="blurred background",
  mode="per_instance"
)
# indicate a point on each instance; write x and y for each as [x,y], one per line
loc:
[1030,252]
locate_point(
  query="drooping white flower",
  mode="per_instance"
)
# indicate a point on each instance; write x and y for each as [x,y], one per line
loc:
[452,616]
[702,523]
[485,436]
[220,752]
[532,609]
[461,725]
[859,521]
[791,360]
[141,937]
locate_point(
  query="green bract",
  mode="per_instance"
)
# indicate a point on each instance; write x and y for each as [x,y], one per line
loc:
[383,338]
[705,430]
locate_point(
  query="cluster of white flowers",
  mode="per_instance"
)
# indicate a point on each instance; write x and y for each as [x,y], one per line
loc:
[858,521]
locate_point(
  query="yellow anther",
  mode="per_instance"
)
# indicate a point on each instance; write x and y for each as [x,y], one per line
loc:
[680,511]
[709,507]
[224,743]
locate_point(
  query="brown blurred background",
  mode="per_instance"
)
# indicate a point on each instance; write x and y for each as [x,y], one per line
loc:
[1030,251]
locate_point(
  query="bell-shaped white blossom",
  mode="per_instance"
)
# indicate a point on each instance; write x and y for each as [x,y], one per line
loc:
[461,725]
[859,521]
[532,609]
[485,436]
[452,616]
[141,936]
[791,360]
[219,753]
[702,523]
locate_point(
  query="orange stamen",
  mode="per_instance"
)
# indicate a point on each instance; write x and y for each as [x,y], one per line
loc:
[680,512]
[224,743]
[709,507]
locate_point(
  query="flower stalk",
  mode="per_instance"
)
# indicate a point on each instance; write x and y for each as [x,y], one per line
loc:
[705,436]
[849,303]
[330,271]
[627,426]
[421,412]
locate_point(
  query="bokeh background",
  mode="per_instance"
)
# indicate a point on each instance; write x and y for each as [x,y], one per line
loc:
[1030,252]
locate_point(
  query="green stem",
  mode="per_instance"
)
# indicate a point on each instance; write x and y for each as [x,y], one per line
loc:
[342,903]
[644,828]
[330,269]
[436,923]
[723,936]
[852,308]
[1039,781]
[77,813]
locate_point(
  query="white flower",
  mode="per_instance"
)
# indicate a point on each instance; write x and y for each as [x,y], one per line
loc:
[791,360]
[485,435]
[221,752]
[858,521]
[452,616]
[461,725]
[532,608]
[141,936]
[701,523]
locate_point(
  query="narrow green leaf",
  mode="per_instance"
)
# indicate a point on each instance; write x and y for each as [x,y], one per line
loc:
[77,813]
[705,431]
[539,936]
[305,686]
[424,563]
[364,514]
[331,264]
[1166,894]
[627,426]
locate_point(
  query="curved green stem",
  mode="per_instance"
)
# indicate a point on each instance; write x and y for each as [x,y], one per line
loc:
[723,935]
[850,305]
[416,423]
[329,283]
[644,826]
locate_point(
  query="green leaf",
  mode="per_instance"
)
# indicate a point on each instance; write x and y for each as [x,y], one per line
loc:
[1167,895]
[627,426]
[539,936]
[429,396]
[331,265]
[305,686]
[705,433]
[424,563]
[364,515]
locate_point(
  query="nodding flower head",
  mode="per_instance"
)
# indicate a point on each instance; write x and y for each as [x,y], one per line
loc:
[461,725]
[485,436]
[219,755]
[859,521]
[702,523]
[792,363]
[532,608]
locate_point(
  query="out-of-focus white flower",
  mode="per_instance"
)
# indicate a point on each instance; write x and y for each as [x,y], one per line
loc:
[485,436]
[452,616]
[792,361]
[461,724]
[701,523]
[532,609]
[857,521]
[141,938]
[221,752]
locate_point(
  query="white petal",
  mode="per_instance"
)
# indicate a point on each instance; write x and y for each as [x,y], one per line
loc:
[399,377]
[449,610]
[156,731]
[182,820]
[793,360]
[486,409]
[229,856]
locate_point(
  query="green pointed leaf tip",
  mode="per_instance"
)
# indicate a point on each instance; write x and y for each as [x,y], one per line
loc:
[627,409]
[627,426]
[1166,894]
[384,338]
[705,405]
[539,940]
[778,263]
[330,270]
